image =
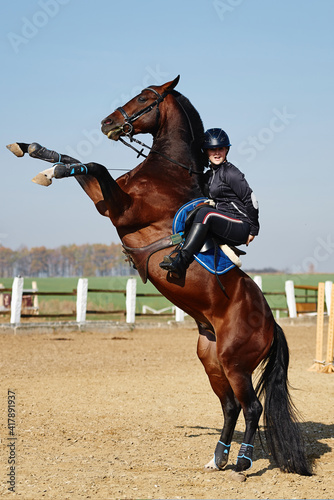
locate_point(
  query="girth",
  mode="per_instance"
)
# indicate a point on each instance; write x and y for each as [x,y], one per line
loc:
[140,256]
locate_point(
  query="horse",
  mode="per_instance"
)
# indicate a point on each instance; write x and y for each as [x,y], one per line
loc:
[237,331]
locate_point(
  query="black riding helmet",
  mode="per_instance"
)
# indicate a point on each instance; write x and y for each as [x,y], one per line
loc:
[215,138]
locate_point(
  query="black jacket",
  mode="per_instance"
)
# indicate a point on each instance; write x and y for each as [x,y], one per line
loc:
[227,186]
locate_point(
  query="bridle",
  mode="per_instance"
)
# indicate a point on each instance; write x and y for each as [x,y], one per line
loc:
[127,128]
[130,119]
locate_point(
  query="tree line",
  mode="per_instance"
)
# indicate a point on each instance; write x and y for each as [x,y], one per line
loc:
[65,261]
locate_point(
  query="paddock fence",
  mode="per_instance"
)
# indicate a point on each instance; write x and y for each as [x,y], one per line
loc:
[19,303]
[24,303]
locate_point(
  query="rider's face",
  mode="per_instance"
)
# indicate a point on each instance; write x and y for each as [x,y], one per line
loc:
[217,155]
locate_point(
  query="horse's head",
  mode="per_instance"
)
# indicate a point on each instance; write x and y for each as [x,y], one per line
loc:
[140,115]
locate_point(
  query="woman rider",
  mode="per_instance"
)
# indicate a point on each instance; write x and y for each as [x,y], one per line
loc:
[232,215]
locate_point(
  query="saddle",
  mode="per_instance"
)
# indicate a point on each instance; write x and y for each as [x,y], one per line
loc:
[231,251]
[188,212]
[139,257]
[215,256]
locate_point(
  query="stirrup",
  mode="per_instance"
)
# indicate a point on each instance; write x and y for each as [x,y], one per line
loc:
[167,265]
[167,259]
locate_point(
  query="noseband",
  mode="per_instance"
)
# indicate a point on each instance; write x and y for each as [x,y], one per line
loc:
[130,119]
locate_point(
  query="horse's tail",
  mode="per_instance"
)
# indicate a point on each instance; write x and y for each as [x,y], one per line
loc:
[282,431]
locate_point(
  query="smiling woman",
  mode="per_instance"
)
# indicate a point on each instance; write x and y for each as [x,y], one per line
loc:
[231,212]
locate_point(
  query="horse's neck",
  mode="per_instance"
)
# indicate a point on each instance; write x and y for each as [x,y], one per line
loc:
[171,186]
[172,144]
[175,136]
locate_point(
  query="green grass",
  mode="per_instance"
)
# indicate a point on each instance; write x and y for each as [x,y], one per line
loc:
[96,301]
[276,283]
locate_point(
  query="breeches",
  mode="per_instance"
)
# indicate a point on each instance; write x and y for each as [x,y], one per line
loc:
[230,230]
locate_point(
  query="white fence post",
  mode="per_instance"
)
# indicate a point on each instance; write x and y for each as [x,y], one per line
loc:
[328,292]
[35,300]
[179,314]
[16,301]
[82,291]
[290,298]
[131,288]
[1,298]
[258,281]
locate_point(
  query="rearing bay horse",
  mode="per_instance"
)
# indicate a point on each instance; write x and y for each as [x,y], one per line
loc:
[237,331]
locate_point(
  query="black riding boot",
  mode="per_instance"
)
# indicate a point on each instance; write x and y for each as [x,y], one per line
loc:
[194,242]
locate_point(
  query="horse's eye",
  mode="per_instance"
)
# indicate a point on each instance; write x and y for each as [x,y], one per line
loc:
[142,99]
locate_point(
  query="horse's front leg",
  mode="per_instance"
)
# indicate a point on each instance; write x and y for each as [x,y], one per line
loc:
[35,150]
[110,200]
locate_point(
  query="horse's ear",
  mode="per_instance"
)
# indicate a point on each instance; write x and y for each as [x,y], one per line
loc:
[171,85]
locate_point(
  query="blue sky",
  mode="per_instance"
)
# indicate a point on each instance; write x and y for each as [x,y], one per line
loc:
[261,69]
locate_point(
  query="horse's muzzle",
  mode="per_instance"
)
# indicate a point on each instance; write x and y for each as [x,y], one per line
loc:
[110,129]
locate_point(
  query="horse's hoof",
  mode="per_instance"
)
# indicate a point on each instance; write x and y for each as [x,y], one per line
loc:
[15,148]
[44,178]
[211,466]
[238,476]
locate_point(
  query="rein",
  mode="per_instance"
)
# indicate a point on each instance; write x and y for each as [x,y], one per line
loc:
[140,153]
[128,133]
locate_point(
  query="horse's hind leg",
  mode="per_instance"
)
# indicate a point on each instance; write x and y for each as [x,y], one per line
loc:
[241,383]
[206,351]
[252,410]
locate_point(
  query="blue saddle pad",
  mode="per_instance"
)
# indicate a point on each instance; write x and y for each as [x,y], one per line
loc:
[206,259]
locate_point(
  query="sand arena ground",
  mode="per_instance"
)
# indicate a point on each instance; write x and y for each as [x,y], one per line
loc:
[130,414]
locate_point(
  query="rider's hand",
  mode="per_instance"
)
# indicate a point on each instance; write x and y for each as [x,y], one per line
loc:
[250,238]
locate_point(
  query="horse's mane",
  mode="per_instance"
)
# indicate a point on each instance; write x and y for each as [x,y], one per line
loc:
[197,128]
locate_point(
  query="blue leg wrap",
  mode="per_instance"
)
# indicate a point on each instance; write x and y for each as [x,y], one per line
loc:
[78,168]
[226,446]
[63,170]
[221,454]
[246,451]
